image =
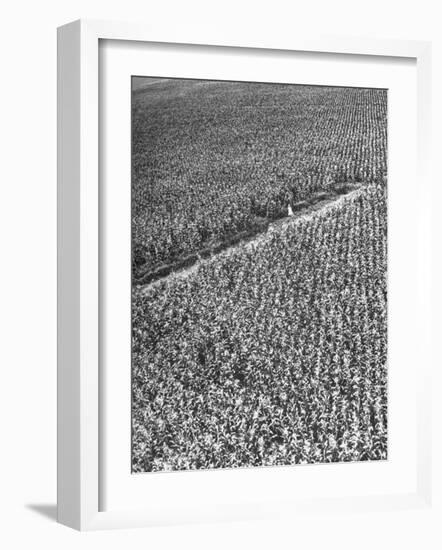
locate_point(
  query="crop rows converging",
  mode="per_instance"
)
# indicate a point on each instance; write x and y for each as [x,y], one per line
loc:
[212,159]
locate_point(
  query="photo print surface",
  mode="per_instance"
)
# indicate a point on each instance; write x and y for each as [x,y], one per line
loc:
[259,274]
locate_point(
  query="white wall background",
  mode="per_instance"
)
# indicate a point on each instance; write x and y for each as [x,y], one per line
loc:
[28,266]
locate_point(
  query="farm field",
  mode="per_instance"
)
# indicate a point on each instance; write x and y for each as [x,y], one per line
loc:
[211,159]
[273,352]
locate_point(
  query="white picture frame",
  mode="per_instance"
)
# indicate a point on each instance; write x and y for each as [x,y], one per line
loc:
[79,368]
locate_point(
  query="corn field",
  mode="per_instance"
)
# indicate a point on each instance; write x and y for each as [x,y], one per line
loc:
[273,352]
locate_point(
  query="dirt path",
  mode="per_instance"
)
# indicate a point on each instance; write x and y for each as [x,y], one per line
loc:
[309,212]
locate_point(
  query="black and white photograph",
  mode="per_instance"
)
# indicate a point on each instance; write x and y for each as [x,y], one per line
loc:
[259,274]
